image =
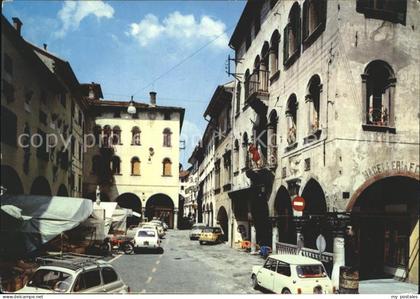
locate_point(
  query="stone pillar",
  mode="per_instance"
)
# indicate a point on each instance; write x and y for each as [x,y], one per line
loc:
[338,259]
[175,218]
[275,238]
[253,238]
[143,210]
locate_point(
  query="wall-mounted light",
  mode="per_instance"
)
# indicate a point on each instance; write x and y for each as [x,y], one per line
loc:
[131,108]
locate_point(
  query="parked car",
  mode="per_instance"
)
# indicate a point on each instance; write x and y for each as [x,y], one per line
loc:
[211,235]
[292,274]
[147,239]
[74,273]
[196,231]
[153,225]
[160,222]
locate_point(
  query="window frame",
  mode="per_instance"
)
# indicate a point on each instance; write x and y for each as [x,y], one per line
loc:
[368,9]
[308,38]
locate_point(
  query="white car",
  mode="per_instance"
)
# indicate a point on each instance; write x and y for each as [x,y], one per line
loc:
[71,273]
[196,231]
[147,239]
[292,274]
[156,226]
[160,222]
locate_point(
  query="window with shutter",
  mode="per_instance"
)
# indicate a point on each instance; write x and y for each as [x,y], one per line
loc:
[389,10]
[167,167]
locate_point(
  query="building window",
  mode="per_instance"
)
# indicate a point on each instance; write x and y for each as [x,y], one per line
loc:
[236,156]
[115,165]
[135,166]
[247,78]
[238,97]
[312,99]
[263,75]
[135,136]
[167,115]
[73,109]
[378,87]
[8,90]
[116,135]
[291,46]
[291,118]
[80,118]
[28,101]
[314,20]
[8,64]
[217,176]
[272,138]
[8,127]
[106,135]
[167,137]
[274,53]
[389,10]
[245,144]
[167,167]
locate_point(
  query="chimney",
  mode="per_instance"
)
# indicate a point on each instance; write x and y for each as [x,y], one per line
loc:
[45,47]
[18,25]
[152,98]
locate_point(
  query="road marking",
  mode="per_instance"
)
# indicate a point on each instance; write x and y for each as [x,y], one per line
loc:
[143,291]
[117,257]
[157,262]
[154,270]
[149,279]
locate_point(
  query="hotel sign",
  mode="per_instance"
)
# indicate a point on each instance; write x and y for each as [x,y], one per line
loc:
[398,166]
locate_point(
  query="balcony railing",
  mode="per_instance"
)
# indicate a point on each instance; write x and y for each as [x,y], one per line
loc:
[378,116]
[257,83]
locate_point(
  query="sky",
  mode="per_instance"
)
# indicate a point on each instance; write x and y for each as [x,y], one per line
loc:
[176,48]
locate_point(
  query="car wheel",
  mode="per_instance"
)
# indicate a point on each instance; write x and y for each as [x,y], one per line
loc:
[254,282]
[286,291]
[201,242]
[128,248]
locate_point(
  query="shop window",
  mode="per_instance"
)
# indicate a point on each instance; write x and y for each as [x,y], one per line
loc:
[8,127]
[389,10]
[8,64]
[167,137]
[291,118]
[115,165]
[378,87]
[291,46]
[135,136]
[8,90]
[116,135]
[314,20]
[167,167]
[135,166]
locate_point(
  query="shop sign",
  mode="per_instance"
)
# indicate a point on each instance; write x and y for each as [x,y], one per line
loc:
[399,166]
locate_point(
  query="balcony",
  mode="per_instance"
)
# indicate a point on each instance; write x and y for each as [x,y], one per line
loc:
[256,89]
[378,120]
[262,168]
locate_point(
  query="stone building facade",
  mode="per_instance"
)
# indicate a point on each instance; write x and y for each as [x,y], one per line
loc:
[136,155]
[326,108]
[42,117]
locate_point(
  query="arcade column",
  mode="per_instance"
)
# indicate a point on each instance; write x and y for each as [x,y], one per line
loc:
[338,223]
[143,210]
[275,235]
[175,218]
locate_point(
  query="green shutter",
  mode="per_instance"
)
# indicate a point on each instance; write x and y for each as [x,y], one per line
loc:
[285,44]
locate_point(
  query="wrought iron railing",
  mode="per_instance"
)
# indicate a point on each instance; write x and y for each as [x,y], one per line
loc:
[258,82]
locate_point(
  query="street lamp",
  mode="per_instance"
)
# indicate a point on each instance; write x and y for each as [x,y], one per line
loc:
[131,108]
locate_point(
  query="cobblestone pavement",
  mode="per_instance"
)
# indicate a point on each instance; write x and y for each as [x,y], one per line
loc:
[188,267]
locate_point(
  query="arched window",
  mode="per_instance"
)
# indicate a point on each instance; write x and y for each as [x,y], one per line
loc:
[264,71]
[135,166]
[236,156]
[272,138]
[378,87]
[167,167]
[245,144]
[312,99]
[255,77]
[106,135]
[314,19]
[291,118]
[116,135]
[292,36]
[167,137]
[135,136]
[238,97]
[115,165]
[274,52]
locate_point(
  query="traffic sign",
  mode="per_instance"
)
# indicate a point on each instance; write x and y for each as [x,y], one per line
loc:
[298,204]
[321,243]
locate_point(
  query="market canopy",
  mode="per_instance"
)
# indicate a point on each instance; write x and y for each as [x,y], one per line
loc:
[28,221]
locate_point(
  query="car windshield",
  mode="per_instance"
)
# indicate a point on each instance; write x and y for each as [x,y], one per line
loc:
[51,280]
[146,233]
[198,227]
[311,271]
[211,230]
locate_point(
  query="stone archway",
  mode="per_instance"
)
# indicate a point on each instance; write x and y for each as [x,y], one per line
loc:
[10,180]
[130,201]
[160,206]
[385,222]
[284,212]
[62,191]
[316,208]
[40,186]
[223,220]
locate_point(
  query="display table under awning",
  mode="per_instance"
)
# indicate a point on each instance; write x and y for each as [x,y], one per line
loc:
[28,221]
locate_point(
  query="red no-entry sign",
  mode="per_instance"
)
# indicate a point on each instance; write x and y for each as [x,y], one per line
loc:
[298,204]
